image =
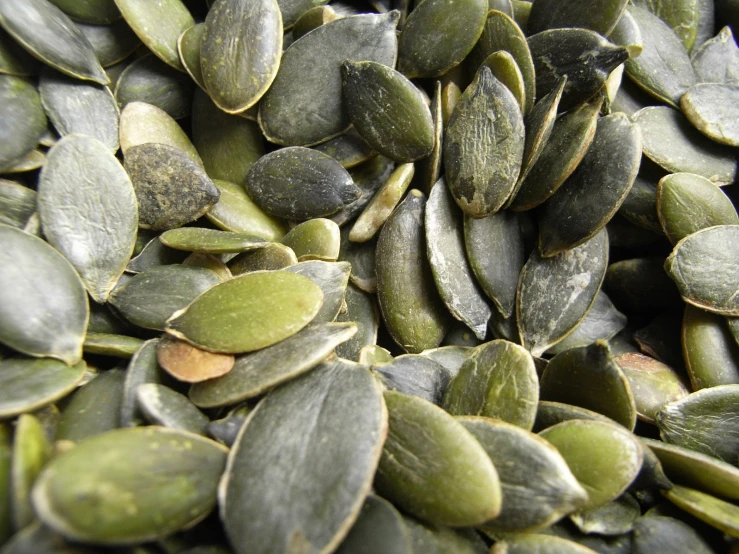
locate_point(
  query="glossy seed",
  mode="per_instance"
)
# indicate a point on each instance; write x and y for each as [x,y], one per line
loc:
[190,364]
[196,239]
[315,239]
[188,47]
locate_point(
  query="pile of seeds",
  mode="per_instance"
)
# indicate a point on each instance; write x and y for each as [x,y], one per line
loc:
[444,276]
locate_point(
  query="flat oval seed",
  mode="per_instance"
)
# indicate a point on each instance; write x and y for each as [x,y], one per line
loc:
[190,364]
[249,312]
[236,212]
[415,375]
[590,378]
[600,16]
[717,513]
[521,459]
[504,68]
[498,380]
[432,467]
[711,108]
[704,421]
[369,177]
[312,19]
[435,539]
[379,528]
[143,368]
[446,253]
[315,239]
[402,129]
[687,203]
[361,309]
[112,43]
[43,304]
[158,25]
[300,183]
[31,451]
[408,299]
[88,211]
[663,69]
[171,189]
[22,119]
[106,344]
[349,149]
[438,36]
[213,241]
[595,190]
[703,266]
[674,144]
[240,51]
[27,385]
[17,203]
[188,47]
[304,105]
[483,152]
[555,294]
[710,352]
[271,256]
[80,107]
[627,33]
[333,278]
[130,485]
[49,35]
[657,532]
[613,518]
[150,298]
[603,457]
[717,59]
[681,15]
[168,408]
[327,428]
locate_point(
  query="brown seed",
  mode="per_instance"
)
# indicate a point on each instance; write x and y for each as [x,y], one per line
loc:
[190,364]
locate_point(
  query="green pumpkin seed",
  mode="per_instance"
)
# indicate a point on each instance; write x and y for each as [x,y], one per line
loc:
[29,162]
[28,385]
[710,352]
[240,51]
[6,454]
[550,413]
[150,502]
[111,43]
[150,80]
[213,241]
[640,205]
[150,298]
[657,532]
[555,294]
[87,207]
[270,257]
[602,322]
[640,285]
[415,375]
[709,107]
[372,355]
[627,33]
[368,177]
[451,357]
[97,12]
[717,513]
[172,18]
[190,364]
[188,47]
[293,9]
[143,368]
[315,239]
[14,60]
[312,19]
[501,33]
[143,123]
[421,50]
[94,408]
[596,189]
[163,406]
[362,258]
[306,423]
[717,60]
[379,528]
[663,68]
[681,15]
[569,141]
[613,518]
[483,154]
[155,254]
[349,149]
[661,339]
[434,539]
[236,212]
[43,304]
[300,183]
[31,451]
[543,544]
[309,80]
[17,203]
[401,130]
[443,476]
[332,278]
[600,17]
[410,305]
[590,378]
[451,271]
[249,312]
[603,457]
[671,141]
[23,119]
[361,308]
[171,189]
[79,107]
[703,421]
[49,35]
[713,290]
[429,168]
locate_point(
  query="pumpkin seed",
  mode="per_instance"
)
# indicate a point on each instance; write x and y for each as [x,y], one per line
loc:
[504,68]
[300,183]
[349,149]
[315,239]
[23,119]
[362,310]
[717,513]
[368,177]
[379,527]
[38,538]
[409,303]
[401,130]
[305,422]
[196,239]
[270,257]
[415,375]
[710,352]
[555,294]
[111,43]
[613,518]
[236,212]
[17,203]
[682,16]
[43,304]
[666,532]
[435,539]
[709,108]
[14,60]
[443,475]
[309,80]
[524,542]
[640,205]
[29,162]
[600,17]
[163,406]
[190,364]
[717,60]
[155,254]
[97,12]
[31,451]
[293,9]
[640,285]
[483,154]
[150,502]
[550,413]
[603,457]
[170,188]
[332,278]
[627,33]
[143,368]
[240,51]
[49,35]
[312,19]
[188,47]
